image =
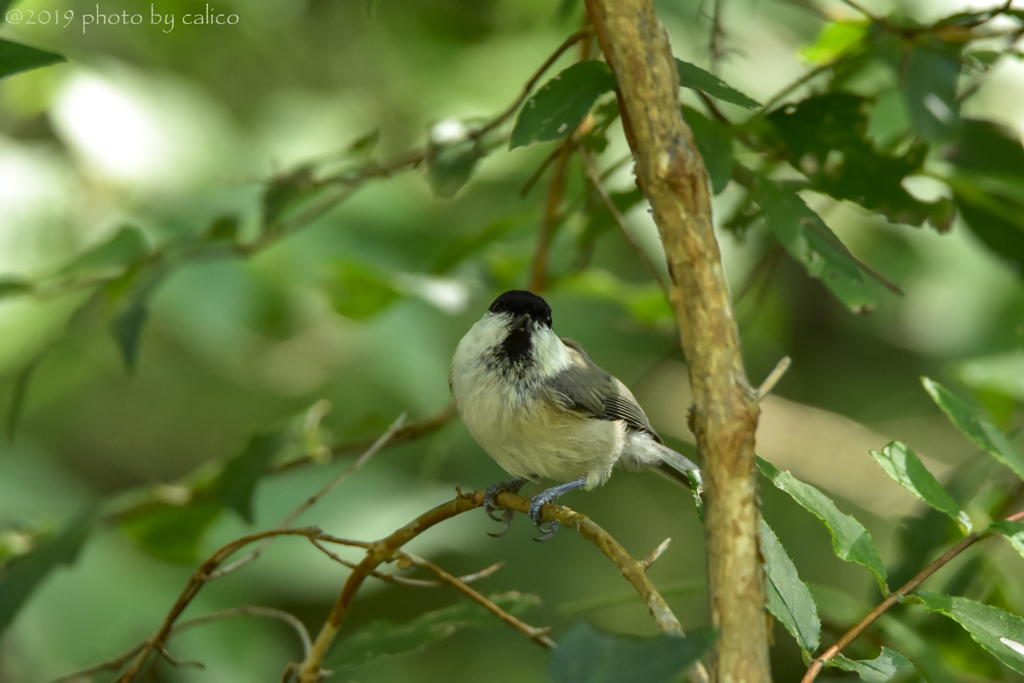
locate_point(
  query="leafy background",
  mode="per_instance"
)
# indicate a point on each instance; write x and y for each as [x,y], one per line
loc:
[139,345]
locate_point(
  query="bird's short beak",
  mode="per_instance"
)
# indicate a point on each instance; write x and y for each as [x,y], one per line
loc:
[520,323]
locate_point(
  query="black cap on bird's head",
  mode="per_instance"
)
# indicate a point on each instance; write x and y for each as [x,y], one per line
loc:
[520,309]
[518,303]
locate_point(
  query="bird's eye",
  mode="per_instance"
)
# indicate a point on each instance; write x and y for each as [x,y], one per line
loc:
[498,308]
[548,320]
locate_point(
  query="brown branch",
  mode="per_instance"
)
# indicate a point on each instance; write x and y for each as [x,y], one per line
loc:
[389,549]
[243,611]
[632,570]
[195,583]
[671,174]
[392,578]
[310,671]
[907,589]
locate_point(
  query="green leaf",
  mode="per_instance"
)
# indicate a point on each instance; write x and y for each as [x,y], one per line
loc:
[171,532]
[383,638]
[586,655]
[826,138]
[223,229]
[18,394]
[881,669]
[982,432]
[23,575]
[930,74]
[814,246]
[850,540]
[996,630]
[450,166]
[906,469]
[12,286]
[982,59]
[15,58]
[285,190]
[696,78]
[988,185]
[921,535]
[997,221]
[789,599]
[1013,531]
[237,483]
[359,293]
[126,249]
[128,319]
[836,39]
[561,104]
[714,142]
[987,147]
[363,146]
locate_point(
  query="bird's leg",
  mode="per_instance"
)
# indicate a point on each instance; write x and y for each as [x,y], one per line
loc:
[506,517]
[546,497]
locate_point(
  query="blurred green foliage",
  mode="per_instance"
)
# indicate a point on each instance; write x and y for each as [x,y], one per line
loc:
[229,251]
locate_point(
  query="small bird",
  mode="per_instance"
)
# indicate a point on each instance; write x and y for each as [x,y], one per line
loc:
[542,409]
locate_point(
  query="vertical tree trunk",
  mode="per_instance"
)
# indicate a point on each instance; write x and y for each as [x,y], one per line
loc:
[671,174]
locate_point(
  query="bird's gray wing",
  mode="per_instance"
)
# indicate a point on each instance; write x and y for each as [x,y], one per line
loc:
[589,389]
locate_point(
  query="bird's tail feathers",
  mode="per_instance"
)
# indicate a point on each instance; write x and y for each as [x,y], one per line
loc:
[676,466]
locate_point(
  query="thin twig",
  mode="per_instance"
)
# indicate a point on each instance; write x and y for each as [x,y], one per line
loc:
[709,102]
[772,379]
[655,554]
[528,88]
[896,596]
[782,94]
[538,635]
[483,573]
[393,578]
[410,432]
[374,448]
[251,611]
[566,144]
[377,445]
[195,583]
[387,578]
[245,610]
[717,34]
[389,549]
[595,182]
[881,279]
[179,663]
